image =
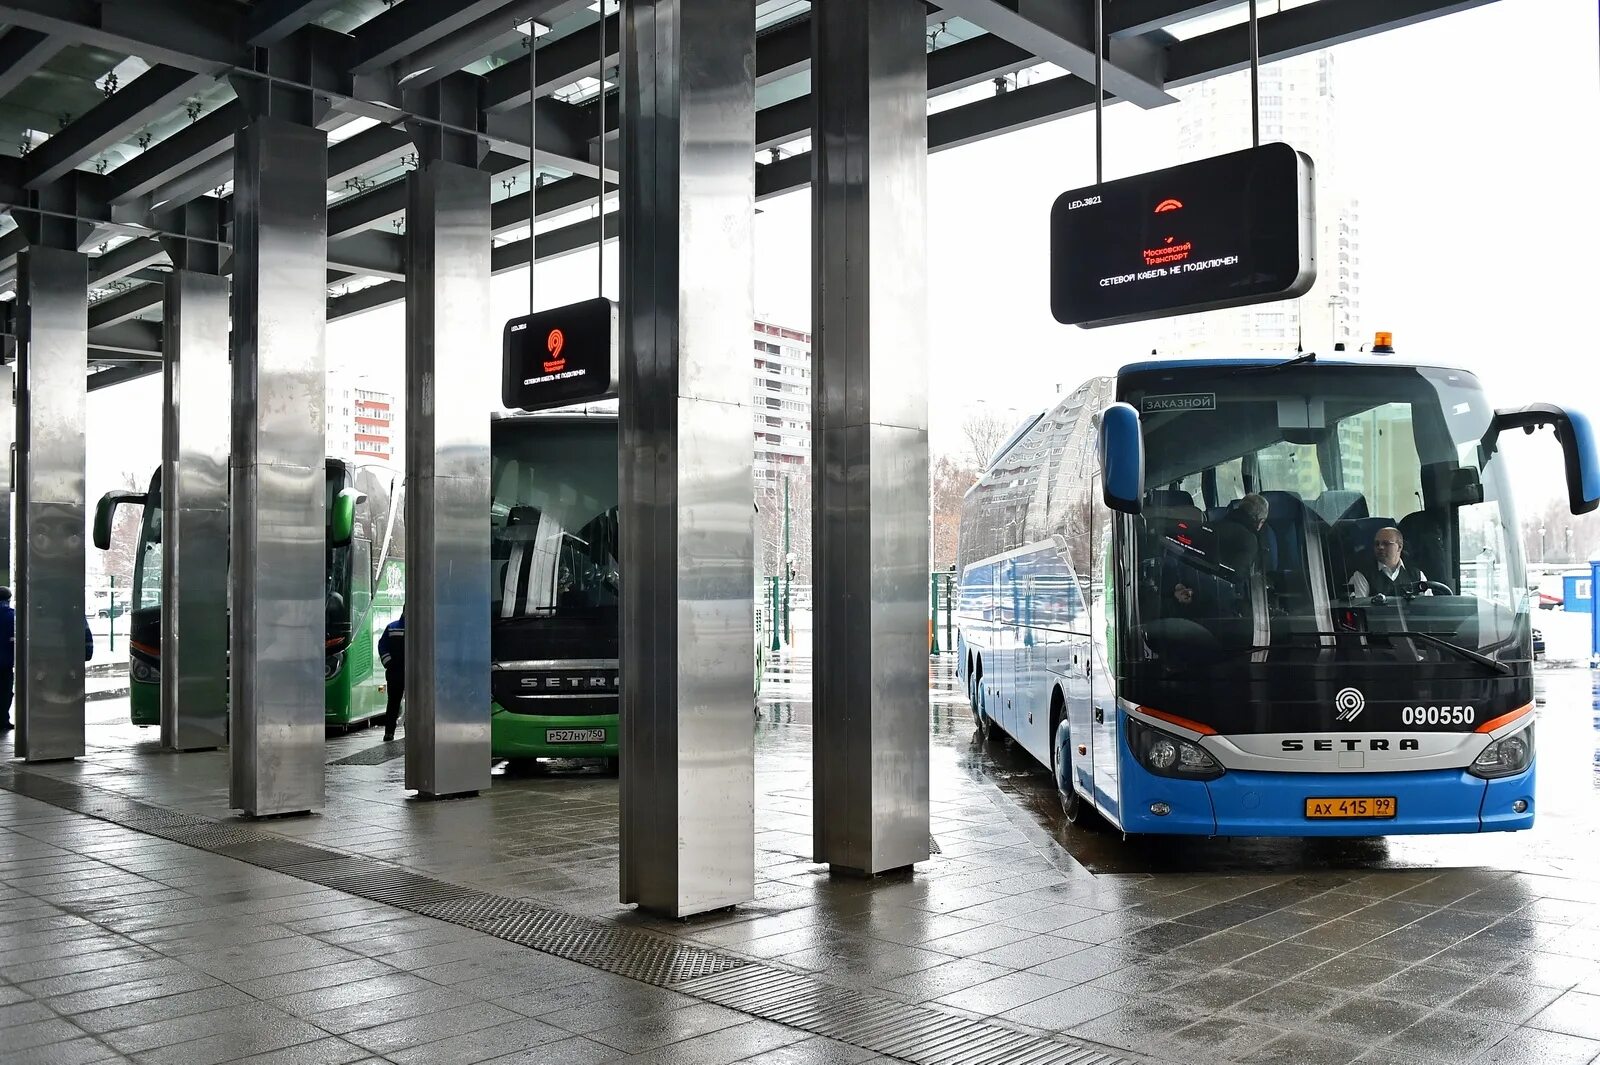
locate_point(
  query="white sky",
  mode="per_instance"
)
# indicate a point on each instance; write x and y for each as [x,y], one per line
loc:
[1470,140]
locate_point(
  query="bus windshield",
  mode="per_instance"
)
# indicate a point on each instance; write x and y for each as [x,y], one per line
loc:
[1348,511]
[553,519]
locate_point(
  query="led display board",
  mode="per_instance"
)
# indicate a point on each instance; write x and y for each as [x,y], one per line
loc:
[559,357]
[1227,231]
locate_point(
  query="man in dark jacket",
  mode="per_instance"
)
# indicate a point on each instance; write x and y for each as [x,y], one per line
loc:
[392,651]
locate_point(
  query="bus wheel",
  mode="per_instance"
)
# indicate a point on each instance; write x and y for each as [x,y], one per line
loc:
[1073,808]
[980,713]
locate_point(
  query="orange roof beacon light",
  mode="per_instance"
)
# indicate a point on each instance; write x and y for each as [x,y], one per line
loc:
[1383,344]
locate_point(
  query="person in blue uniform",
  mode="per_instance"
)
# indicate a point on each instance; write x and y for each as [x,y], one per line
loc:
[8,655]
[392,651]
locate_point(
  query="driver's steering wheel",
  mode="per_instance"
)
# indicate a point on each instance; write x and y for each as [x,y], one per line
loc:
[1428,586]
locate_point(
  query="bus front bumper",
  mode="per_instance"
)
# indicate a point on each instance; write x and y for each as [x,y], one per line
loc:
[1247,803]
[540,735]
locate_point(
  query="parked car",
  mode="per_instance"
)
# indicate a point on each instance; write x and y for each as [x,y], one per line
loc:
[115,610]
[1550,602]
[1538,645]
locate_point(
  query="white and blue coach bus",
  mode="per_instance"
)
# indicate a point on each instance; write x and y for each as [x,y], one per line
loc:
[1160,598]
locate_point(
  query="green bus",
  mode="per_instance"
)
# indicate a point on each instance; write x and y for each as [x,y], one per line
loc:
[554,592]
[362,594]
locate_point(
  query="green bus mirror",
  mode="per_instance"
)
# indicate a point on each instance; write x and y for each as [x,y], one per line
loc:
[105,513]
[342,522]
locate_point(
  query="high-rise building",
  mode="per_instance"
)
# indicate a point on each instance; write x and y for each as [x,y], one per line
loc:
[1298,107]
[359,420]
[781,396]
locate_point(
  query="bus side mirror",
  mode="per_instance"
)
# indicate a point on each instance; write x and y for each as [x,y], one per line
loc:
[1121,458]
[1577,439]
[105,513]
[342,522]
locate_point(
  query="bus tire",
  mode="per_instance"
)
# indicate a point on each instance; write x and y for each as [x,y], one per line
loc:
[1073,808]
[980,715]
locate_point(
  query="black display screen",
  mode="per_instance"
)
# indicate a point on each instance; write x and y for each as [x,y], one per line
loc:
[1221,232]
[559,357]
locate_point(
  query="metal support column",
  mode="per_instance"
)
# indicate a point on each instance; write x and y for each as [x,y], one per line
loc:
[8,453]
[685,463]
[870,434]
[194,512]
[450,388]
[279,505]
[52,371]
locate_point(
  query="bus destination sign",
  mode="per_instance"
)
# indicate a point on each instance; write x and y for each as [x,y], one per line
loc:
[559,357]
[1227,231]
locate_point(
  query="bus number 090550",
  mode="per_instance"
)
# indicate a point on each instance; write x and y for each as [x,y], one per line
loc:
[1438,715]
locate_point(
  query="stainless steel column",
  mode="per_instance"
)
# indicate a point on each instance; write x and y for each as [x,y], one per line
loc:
[8,436]
[687,530]
[277,617]
[52,375]
[194,513]
[451,368]
[870,434]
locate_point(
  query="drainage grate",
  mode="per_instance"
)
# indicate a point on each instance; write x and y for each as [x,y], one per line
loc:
[639,956]
[212,836]
[155,817]
[383,752]
[884,1026]
[276,853]
[881,1025]
[537,926]
[378,882]
[477,911]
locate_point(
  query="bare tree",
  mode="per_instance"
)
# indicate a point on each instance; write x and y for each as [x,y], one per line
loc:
[1567,537]
[948,482]
[984,431]
[124,550]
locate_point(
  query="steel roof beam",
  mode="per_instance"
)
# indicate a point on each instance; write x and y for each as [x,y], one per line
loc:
[375,147]
[489,34]
[1300,30]
[369,252]
[202,36]
[151,95]
[23,51]
[559,63]
[116,375]
[129,338]
[1062,32]
[1135,18]
[125,259]
[123,306]
[270,21]
[203,141]
[412,26]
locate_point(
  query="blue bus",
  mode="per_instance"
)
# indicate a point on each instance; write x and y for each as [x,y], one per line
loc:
[1261,596]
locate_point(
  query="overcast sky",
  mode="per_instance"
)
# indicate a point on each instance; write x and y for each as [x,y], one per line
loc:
[1470,140]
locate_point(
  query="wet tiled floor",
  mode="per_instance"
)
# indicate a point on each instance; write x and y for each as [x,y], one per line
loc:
[1454,949]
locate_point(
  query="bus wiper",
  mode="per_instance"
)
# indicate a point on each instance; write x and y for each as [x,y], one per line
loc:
[1439,641]
[1298,360]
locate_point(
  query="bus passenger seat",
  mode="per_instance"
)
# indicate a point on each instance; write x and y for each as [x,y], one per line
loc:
[1339,504]
[1286,517]
[1426,546]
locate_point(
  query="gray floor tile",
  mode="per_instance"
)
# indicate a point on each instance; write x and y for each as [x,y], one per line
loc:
[1530,1046]
[518,1036]
[572,1051]
[328,1051]
[414,1031]
[1004,993]
[1574,1013]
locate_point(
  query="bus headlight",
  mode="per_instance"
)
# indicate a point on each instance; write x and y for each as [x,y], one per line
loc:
[144,672]
[1506,756]
[1167,755]
[332,665]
